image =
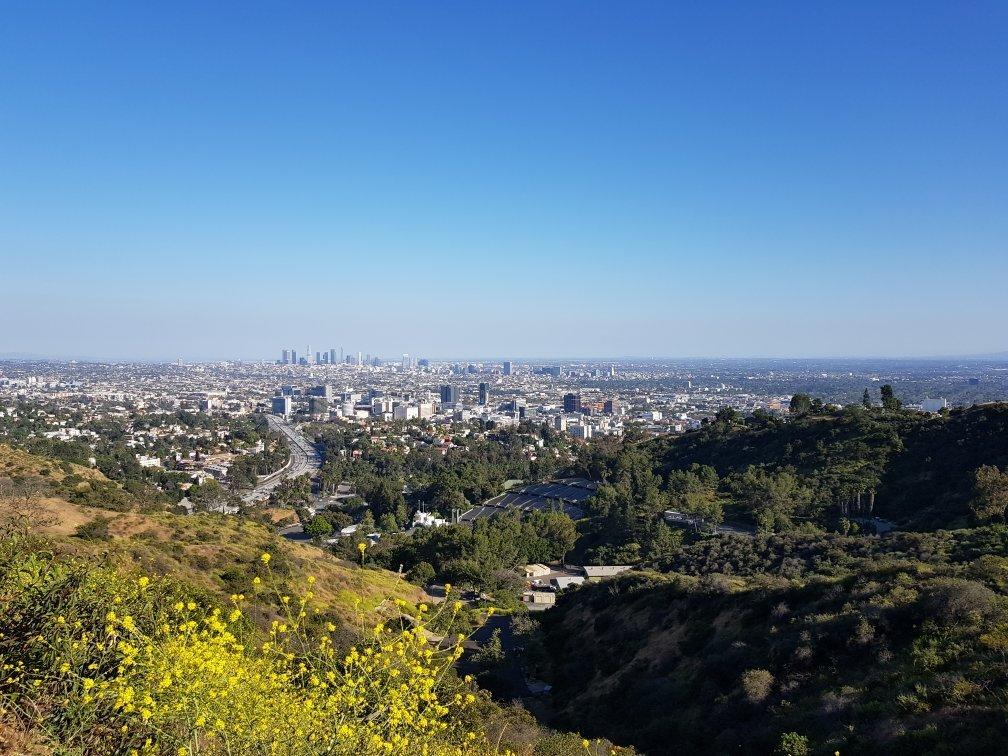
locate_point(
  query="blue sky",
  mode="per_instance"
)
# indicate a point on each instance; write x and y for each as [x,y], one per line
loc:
[220,180]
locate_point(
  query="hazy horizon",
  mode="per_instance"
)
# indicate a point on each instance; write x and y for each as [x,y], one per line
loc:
[555,180]
[391,358]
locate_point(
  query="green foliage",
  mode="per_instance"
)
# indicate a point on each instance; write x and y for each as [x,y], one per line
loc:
[991,500]
[319,527]
[792,744]
[801,404]
[484,554]
[422,574]
[491,653]
[94,530]
[292,492]
[772,499]
[889,401]
[912,468]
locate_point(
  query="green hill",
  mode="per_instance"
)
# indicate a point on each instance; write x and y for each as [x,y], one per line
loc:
[919,467]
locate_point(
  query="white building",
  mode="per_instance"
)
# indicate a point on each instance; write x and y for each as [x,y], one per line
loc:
[403,411]
[427,520]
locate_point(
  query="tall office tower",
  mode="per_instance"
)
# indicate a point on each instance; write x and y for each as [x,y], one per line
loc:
[507,368]
[449,395]
[405,362]
[572,402]
[286,357]
[281,405]
[307,353]
[341,354]
[294,358]
[483,395]
[360,359]
[318,358]
[332,356]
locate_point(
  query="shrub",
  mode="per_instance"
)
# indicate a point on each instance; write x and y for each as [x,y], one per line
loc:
[756,684]
[792,744]
[106,663]
[95,530]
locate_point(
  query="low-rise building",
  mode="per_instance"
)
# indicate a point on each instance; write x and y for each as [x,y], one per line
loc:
[538,599]
[536,570]
[600,572]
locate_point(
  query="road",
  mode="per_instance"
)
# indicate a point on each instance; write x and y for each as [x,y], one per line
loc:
[305,458]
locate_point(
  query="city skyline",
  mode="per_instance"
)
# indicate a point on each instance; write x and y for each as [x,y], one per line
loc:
[554,181]
[499,360]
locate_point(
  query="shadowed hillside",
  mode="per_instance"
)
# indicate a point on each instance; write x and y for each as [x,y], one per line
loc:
[894,656]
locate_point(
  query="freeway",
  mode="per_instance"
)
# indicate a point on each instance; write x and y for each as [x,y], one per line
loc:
[305,458]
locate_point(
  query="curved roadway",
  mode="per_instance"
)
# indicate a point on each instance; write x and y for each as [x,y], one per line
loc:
[305,458]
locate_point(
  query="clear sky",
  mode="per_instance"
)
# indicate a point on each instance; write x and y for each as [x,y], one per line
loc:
[556,178]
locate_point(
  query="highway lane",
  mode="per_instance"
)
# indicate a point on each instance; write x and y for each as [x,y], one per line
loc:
[305,458]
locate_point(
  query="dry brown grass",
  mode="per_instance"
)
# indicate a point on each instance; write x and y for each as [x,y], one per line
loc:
[16,741]
[17,462]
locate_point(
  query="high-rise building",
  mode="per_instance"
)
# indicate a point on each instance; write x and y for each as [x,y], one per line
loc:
[294,357]
[325,391]
[281,405]
[612,407]
[405,362]
[332,356]
[424,362]
[449,395]
[572,402]
[507,367]
[360,359]
[286,357]
[318,358]
[483,395]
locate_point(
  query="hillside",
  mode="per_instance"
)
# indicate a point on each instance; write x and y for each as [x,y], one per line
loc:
[19,463]
[230,618]
[890,655]
[919,467]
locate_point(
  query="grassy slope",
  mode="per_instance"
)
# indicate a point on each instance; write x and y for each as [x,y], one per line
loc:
[16,462]
[221,554]
[214,552]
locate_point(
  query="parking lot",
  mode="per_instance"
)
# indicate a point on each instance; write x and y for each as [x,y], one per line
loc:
[566,494]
